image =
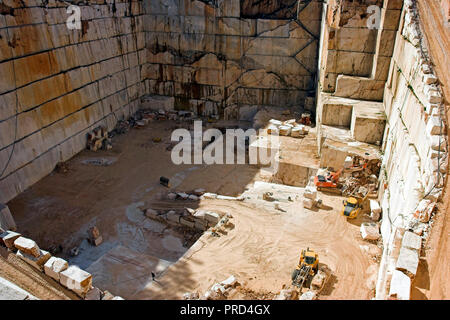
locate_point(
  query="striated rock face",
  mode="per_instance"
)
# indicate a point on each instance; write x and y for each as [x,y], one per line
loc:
[57,84]
[211,55]
[357,47]
[269,9]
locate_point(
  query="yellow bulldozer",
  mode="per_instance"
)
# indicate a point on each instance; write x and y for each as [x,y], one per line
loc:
[353,206]
[306,269]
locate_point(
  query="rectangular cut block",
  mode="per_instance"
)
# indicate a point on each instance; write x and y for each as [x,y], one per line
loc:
[201,225]
[173,216]
[400,286]
[76,280]
[37,262]
[368,123]
[412,241]
[434,126]
[212,217]
[308,203]
[27,246]
[6,220]
[370,231]
[7,238]
[310,193]
[337,115]
[295,168]
[187,223]
[54,266]
[408,261]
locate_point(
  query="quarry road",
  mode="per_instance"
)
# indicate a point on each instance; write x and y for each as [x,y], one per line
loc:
[264,247]
[25,276]
[434,270]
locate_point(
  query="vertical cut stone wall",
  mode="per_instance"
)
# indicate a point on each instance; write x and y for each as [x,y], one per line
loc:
[415,146]
[229,57]
[57,84]
[357,47]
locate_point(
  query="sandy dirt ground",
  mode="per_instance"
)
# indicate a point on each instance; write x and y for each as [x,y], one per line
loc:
[261,250]
[432,281]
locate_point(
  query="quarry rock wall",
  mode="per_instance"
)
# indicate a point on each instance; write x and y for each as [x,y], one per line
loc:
[57,84]
[415,148]
[357,45]
[387,69]
[229,57]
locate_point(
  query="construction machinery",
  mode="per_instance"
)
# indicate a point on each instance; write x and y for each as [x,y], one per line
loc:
[307,268]
[353,206]
[329,182]
[164,181]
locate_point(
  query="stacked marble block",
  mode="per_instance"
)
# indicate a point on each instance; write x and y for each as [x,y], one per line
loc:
[71,277]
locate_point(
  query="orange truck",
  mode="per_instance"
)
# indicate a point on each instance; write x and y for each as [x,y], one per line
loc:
[327,182]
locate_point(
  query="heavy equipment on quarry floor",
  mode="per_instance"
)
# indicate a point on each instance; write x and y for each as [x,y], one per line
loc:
[306,269]
[328,183]
[353,206]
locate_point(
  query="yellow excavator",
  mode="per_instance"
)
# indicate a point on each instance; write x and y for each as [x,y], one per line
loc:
[353,206]
[306,269]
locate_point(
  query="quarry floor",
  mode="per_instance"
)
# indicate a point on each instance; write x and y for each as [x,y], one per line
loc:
[260,251]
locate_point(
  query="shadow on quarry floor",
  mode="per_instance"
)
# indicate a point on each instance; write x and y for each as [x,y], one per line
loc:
[107,189]
[110,189]
[331,281]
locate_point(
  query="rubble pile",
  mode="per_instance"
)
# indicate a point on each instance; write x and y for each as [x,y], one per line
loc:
[98,139]
[144,116]
[220,290]
[287,294]
[361,177]
[197,220]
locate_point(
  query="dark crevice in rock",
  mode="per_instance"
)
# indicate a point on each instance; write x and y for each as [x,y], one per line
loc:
[269,9]
[6,10]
